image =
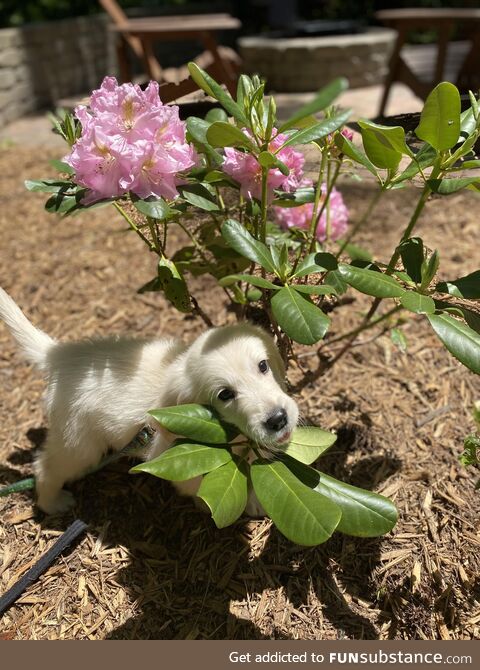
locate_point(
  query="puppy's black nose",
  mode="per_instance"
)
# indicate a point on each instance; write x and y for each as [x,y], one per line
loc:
[277,420]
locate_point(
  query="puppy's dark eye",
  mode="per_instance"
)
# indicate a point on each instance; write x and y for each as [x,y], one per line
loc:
[226,394]
[263,367]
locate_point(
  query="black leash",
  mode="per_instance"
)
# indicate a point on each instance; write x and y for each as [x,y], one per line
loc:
[70,535]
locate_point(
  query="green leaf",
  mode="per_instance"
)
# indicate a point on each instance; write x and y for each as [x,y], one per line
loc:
[299,197]
[308,443]
[370,282]
[49,185]
[470,165]
[225,490]
[322,99]
[418,303]
[251,279]
[293,507]
[184,461]
[398,339]
[412,254]
[429,268]
[357,253]
[379,148]
[61,166]
[316,289]
[216,114]
[440,118]
[424,158]
[351,151]
[467,122]
[154,207]
[210,86]
[459,339]
[449,186]
[246,245]
[465,287]
[299,318]
[334,278]
[195,422]
[221,134]
[317,131]
[199,196]
[472,318]
[364,513]
[309,264]
[392,138]
[268,160]
[197,130]
[170,280]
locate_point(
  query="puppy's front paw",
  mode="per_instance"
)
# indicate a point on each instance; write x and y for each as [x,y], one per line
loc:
[60,504]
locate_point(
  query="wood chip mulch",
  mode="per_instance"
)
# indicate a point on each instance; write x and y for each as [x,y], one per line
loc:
[154,567]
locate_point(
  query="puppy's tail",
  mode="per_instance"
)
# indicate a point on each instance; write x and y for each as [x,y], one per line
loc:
[34,343]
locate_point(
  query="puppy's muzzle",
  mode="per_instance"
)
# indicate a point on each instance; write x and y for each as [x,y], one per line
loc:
[277,420]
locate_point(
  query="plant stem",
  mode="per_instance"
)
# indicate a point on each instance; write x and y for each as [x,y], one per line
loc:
[359,224]
[264,204]
[313,232]
[318,193]
[134,227]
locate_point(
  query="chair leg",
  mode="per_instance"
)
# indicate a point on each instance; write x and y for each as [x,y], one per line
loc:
[226,73]
[393,65]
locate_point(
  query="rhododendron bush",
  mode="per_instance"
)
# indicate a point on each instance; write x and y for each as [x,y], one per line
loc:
[278,242]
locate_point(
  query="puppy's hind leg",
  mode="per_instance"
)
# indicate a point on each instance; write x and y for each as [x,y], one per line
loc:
[56,465]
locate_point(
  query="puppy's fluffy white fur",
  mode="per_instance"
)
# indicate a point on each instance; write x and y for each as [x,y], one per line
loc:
[99,393]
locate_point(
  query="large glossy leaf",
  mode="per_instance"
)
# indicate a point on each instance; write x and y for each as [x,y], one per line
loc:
[440,118]
[392,138]
[269,161]
[412,254]
[380,155]
[308,443]
[459,339]
[319,130]
[197,422]
[221,134]
[417,302]
[464,287]
[351,151]
[299,318]
[197,129]
[251,279]
[472,318]
[184,461]
[425,157]
[293,507]
[49,185]
[364,513]
[170,280]
[315,263]
[449,186]
[199,196]
[322,99]
[313,289]
[370,282]
[154,207]
[225,490]
[295,199]
[210,86]
[245,244]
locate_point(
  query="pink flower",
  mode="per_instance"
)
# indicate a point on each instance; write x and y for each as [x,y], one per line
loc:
[300,217]
[130,142]
[347,133]
[247,171]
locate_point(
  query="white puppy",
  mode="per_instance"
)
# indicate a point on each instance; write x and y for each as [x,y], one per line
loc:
[99,393]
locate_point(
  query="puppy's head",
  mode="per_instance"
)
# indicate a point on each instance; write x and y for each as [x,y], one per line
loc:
[238,371]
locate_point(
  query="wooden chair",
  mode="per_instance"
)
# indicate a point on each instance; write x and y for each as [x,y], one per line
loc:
[443,21]
[140,35]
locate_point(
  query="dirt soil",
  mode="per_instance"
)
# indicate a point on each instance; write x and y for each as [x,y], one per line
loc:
[152,566]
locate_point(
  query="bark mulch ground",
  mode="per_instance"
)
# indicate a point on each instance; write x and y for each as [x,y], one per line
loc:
[154,567]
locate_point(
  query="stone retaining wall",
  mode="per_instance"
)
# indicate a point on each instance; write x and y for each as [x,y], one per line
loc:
[44,62]
[302,64]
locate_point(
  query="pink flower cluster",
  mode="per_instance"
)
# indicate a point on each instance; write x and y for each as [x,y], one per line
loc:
[247,171]
[130,141]
[300,217]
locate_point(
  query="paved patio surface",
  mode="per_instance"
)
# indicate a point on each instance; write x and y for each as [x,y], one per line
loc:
[35,130]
